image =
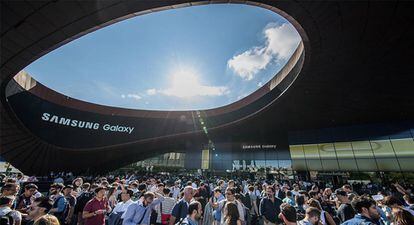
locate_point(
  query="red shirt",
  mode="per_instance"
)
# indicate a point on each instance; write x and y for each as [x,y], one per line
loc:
[93,205]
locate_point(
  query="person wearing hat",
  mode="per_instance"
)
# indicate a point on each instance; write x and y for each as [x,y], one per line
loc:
[95,210]
[71,201]
[24,200]
[345,210]
[13,216]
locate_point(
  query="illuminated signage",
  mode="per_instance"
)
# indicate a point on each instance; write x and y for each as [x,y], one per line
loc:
[85,124]
[259,146]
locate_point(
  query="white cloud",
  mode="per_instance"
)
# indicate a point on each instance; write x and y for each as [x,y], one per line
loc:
[281,42]
[249,62]
[151,91]
[259,84]
[133,96]
[185,84]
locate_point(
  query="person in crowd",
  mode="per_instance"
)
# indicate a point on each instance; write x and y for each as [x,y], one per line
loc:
[47,220]
[59,202]
[194,214]
[347,188]
[202,194]
[402,217]
[345,210]
[253,209]
[311,217]
[175,190]
[314,195]
[24,200]
[77,186]
[71,202]
[121,207]
[7,214]
[295,190]
[139,191]
[112,196]
[327,202]
[325,218]
[367,212]
[181,207]
[230,197]
[270,207]
[394,202]
[222,185]
[166,206]
[39,207]
[88,192]
[409,200]
[116,216]
[289,198]
[10,189]
[140,211]
[96,208]
[232,216]
[217,197]
[300,206]
[288,214]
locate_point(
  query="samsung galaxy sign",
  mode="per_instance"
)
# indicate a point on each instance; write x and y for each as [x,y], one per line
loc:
[47,117]
[259,146]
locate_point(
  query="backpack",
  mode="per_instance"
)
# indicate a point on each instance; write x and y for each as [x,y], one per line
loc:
[7,219]
[246,200]
[60,215]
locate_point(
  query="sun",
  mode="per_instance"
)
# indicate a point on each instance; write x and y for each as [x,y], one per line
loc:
[184,84]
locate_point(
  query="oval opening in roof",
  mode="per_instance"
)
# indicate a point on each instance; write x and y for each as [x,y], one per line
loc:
[191,58]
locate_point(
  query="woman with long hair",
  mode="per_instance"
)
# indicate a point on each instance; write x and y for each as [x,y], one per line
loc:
[77,186]
[112,198]
[232,214]
[402,216]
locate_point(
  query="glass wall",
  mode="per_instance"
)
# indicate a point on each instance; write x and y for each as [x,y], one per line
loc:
[228,157]
[376,147]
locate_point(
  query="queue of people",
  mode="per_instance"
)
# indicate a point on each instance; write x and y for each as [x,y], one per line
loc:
[155,199]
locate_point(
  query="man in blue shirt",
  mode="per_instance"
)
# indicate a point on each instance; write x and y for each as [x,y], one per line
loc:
[312,217]
[60,203]
[195,210]
[180,209]
[367,212]
[140,212]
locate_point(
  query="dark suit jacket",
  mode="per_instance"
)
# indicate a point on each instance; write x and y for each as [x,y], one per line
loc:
[280,195]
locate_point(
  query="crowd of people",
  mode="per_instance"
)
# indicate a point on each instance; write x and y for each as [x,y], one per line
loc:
[159,199]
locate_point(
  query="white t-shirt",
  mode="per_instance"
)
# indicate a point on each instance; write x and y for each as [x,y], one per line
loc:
[175,192]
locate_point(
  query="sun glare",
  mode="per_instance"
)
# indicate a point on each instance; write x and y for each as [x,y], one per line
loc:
[185,84]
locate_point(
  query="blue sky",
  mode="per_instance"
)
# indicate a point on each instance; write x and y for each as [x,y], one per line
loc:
[197,57]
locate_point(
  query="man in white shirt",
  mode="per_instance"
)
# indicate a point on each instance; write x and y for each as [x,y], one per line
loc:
[176,190]
[122,206]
